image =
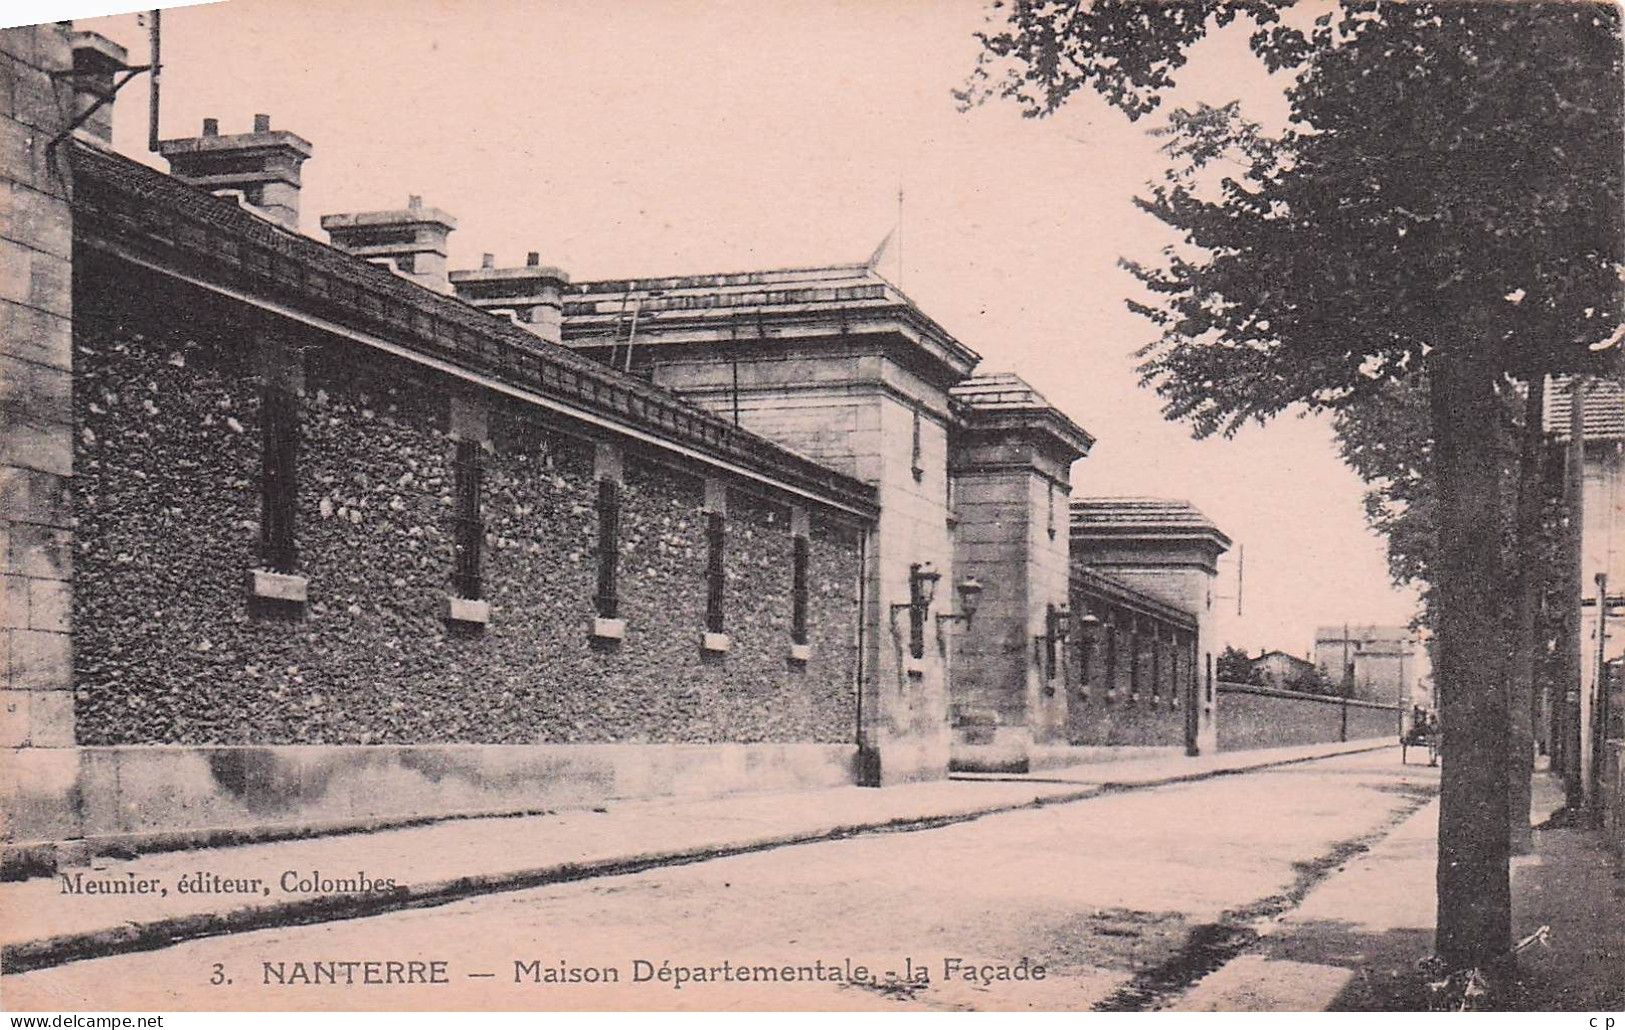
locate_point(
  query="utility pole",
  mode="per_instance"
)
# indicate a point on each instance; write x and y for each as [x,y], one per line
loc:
[1599,706]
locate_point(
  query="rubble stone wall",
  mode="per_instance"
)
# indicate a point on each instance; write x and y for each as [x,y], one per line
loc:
[172,650]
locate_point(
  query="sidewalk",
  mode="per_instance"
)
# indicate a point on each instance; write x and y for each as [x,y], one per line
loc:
[1356,941]
[46,925]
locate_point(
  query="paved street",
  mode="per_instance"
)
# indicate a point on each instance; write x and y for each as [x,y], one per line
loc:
[1123,899]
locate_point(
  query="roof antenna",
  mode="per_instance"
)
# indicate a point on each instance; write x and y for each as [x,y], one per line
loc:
[899,234]
[894,236]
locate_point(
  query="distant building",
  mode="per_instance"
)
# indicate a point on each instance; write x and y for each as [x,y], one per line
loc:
[1280,670]
[1382,663]
[1577,712]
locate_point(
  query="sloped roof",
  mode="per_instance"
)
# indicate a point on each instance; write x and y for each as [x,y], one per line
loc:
[1142,515]
[1004,399]
[142,214]
[1604,413]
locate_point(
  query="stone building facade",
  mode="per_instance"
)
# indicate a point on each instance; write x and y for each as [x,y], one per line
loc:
[1382,664]
[302,536]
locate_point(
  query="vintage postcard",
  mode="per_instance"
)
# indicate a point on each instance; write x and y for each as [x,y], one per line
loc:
[830,505]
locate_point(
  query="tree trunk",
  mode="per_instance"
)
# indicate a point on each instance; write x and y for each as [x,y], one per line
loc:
[1527,589]
[1474,892]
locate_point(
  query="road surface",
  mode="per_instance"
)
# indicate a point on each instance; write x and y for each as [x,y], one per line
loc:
[1120,902]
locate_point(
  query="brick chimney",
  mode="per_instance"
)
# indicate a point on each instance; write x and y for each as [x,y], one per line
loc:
[95,59]
[532,296]
[411,241]
[262,167]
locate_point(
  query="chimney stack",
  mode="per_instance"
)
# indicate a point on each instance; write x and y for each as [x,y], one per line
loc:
[95,59]
[260,166]
[411,241]
[533,296]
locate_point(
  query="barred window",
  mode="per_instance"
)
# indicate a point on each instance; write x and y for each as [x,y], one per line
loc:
[607,601]
[714,535]
[917,468]
[798,591]
[470,531]
[916,615]
[279,467]
[1111,656]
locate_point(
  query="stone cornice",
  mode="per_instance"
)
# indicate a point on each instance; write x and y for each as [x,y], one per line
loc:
[785,304]
[1092,583]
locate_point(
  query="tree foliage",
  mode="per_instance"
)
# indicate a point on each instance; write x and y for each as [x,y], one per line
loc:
[1475,177]
[1232,665]
[1446,203]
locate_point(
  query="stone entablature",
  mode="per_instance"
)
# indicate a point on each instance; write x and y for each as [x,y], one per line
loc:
[787,304]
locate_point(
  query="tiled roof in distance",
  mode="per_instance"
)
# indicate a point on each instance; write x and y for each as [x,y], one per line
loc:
[1144,514]
[1604,414]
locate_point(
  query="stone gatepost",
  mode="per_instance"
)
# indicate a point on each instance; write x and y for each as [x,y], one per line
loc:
[1011,463]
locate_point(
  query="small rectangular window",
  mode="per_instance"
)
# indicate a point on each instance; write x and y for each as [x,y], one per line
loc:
[798,591]
[916,615]
[470,531]
[609,530]
[279,470]
[714,535]
[1052,624]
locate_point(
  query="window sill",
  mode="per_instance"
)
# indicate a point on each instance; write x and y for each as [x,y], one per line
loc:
[608,629]
[913,667]
[466,609]
[801,652]
[717,643]
[279,586]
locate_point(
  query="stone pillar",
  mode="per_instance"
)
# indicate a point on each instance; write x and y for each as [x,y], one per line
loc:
[1167,550]
[36,437]
[1011,462]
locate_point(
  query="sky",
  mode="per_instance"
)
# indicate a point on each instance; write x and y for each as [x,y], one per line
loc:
[653,137]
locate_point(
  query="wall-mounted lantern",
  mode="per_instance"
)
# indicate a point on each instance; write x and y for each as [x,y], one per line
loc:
[970,599]
[1057,627]
[922,589]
